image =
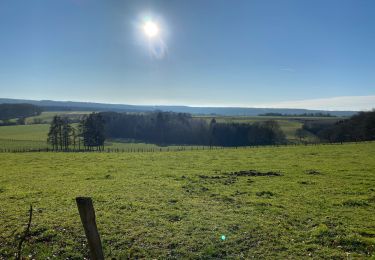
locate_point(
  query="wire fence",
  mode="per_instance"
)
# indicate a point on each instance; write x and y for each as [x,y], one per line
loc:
[158,149]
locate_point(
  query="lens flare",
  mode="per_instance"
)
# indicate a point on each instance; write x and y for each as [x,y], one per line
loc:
[152,32]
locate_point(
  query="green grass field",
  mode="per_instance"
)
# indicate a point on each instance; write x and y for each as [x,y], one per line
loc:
[25,132]
[24,137]
[46,117]
[175,205]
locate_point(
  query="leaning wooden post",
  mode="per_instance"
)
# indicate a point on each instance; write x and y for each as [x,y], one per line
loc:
[87,214]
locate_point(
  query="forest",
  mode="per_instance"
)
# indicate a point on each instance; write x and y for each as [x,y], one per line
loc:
[165,128]
[17,111]
[360,127]
[169,128]
[89,134]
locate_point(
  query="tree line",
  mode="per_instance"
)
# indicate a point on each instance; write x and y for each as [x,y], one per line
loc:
[317,114]
[166,128]
[88,134]
[360,127]
[18,112]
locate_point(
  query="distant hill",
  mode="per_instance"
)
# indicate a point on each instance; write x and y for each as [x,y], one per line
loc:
[50,105]
[19,110]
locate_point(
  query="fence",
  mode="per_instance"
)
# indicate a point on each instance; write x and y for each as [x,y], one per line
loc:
[88,219]
[162,149]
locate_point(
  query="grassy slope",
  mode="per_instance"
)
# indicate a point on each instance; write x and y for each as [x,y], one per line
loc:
[46,117]
[23,136]
[171,205]
[25,132]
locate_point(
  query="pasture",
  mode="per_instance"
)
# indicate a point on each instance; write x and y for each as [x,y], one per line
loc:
[46,117]
[270,203]
[37,132]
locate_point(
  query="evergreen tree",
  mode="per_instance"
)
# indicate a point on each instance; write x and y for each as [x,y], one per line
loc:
[92,129]
[66,133]
[53,136]
[60,133]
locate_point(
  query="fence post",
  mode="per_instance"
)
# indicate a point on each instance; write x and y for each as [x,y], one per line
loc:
[87,214]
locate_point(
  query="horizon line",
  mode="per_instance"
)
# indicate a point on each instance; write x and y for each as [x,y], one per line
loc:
[338,103]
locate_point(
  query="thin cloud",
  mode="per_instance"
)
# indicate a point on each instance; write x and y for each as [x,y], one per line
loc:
[355,103]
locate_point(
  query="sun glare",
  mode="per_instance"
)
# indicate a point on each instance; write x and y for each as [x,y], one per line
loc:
[151,29]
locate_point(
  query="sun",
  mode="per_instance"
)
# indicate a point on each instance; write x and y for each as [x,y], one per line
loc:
[151,29]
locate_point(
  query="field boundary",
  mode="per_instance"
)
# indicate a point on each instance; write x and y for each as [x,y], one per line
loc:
[162,149]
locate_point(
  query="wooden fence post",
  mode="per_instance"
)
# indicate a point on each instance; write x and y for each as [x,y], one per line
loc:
[87,214]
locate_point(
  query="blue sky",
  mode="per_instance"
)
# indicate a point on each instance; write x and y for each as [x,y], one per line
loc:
[300,53]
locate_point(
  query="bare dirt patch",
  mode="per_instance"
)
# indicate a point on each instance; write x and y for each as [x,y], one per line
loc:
[254,173]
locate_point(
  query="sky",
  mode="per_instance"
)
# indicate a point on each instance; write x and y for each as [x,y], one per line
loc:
[251,53]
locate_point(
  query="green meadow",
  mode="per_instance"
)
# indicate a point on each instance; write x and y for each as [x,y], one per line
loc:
[270,203]
[37,132]
[46,117]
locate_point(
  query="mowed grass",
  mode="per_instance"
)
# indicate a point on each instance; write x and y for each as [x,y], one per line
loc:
[179,204]
[148,147]
[36,132]
[21,145]
[46,117]
[21,137]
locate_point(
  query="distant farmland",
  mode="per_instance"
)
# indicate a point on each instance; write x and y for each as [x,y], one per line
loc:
[289,125]
[35,135]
